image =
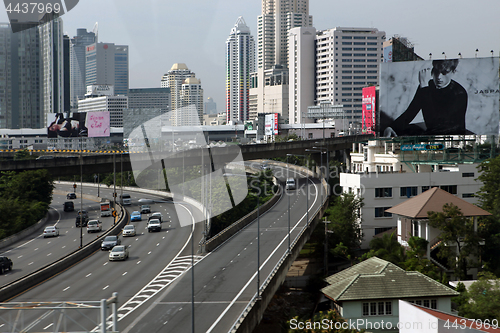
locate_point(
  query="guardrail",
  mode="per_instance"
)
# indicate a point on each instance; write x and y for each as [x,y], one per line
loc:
[28,281]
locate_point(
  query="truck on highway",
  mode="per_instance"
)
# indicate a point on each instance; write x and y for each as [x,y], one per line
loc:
[105,208]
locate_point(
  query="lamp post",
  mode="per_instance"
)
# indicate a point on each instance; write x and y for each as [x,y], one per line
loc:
[319,151]
[81,191]
[307,198]
[326,245]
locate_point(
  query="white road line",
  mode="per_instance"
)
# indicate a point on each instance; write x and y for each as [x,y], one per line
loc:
[48,326]
[88,275]
[66,288]
[105,287]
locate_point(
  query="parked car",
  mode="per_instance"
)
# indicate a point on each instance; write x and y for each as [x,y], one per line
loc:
[135,216]
[129,230]
[109,242]
[94,226]
[145,209]
[69,206]
[154,225]
[50,231]
[156,216]
[119,252]
[71,195]
[5,264]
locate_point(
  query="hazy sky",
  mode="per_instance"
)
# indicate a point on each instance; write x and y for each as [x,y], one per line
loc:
[163,32]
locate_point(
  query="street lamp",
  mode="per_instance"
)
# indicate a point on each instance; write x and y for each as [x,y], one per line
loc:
[326,245]
[81,191]
[319,151]
[258,240]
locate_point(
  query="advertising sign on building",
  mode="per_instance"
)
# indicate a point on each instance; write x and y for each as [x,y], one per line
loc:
[72,126]
[368,109]
[388,53]
[98,124]
[271,124]
[439,97]
[100,90]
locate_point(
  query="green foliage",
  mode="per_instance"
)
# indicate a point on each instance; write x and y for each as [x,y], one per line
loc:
[285,138]
[23,154]
[344,216]
[387,248]
[416,258]
[482,300]
[321,323]
[24,199]
[489,227]
[459,241]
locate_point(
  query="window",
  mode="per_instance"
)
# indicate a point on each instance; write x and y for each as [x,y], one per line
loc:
[383,192]
[381,212]
[434,304]
[425,188]
[408,191]
[365,309]
[388,308]
[373,309]
[467,195]
[377,308]
[380,230]
[452,189]
[467,174]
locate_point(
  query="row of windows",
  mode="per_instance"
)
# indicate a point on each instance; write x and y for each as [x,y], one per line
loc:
[377,308]
[411,191]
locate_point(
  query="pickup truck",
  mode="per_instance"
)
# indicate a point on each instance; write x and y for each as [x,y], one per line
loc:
[5,264]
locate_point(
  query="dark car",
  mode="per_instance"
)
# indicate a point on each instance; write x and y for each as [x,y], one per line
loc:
[145,209]
[69,206]
[71,195]
[109,242]
[82,219]
[5,264]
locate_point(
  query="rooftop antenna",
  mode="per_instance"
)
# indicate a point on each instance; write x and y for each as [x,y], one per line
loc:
[477,50]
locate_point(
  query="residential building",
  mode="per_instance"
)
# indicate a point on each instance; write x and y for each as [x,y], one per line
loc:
[78,48]
[174,79]
[269,88]
[384,175]
[214,119]
[414,221]
[302,61]
[369,293]
[107,64]
[20,79]
[240,62]
[347,59]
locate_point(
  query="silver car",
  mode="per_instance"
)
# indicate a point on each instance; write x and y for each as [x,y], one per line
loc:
[119,252]
[51,231]
[94,226]
[129,230]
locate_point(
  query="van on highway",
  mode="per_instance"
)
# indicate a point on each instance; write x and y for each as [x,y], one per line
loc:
[290,184]
[125,199]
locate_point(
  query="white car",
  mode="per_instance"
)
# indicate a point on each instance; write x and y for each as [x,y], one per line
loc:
[154,225]
[51,231]
[156,216]
[119,252]
[94,226]
[129,230]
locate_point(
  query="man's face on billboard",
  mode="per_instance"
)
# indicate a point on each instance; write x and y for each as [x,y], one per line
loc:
[441,78]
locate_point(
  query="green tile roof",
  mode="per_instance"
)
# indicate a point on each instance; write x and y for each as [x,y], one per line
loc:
[375,278]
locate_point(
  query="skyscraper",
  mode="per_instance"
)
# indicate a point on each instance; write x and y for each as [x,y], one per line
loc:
[240,62]
[20,79]
[52,60]
[107,63]
[174,79]
[78,47]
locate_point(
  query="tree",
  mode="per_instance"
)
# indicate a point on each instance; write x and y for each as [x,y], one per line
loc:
[345,218]
[456,231]
[482,299]
[489,200]
[416,258]
[387,248]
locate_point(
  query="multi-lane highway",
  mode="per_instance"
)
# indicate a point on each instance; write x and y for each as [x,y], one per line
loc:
[225,280]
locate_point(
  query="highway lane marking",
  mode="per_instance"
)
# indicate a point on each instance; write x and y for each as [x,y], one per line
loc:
[64,246]
[46,327]
[157,244]
[49,254]
[30,263]
[138,262]
[124,274]
[48,243]
[105,287]
[105,263]
[149,252]
[66,288]
[36,249]
[19,257]
[88,275]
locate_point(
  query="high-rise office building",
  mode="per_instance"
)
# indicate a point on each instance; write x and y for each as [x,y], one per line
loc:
[209,107]
[240,62]
[52,60]
[347,59]
[20,79]
[149,98]
[107,63]
[78,48]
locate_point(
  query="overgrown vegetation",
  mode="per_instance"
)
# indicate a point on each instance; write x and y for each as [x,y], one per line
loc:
[24,199]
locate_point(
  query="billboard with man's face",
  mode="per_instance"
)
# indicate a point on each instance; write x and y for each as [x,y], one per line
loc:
[439,97]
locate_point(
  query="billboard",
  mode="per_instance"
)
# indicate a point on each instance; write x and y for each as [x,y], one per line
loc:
[368,109]
[388,53]
[439,97]
[271,124]
[71,126]
[100,90]
[98,124]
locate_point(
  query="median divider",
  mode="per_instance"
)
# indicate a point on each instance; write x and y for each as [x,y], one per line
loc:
[41,275]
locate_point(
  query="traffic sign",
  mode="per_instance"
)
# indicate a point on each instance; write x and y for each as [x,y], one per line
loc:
[74,185]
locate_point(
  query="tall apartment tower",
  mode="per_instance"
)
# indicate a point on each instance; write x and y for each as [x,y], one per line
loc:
[174,79]
[20,105]
[107,63]
[52,61]
[278,17]
[78,47]
[240,62]
[347,59]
